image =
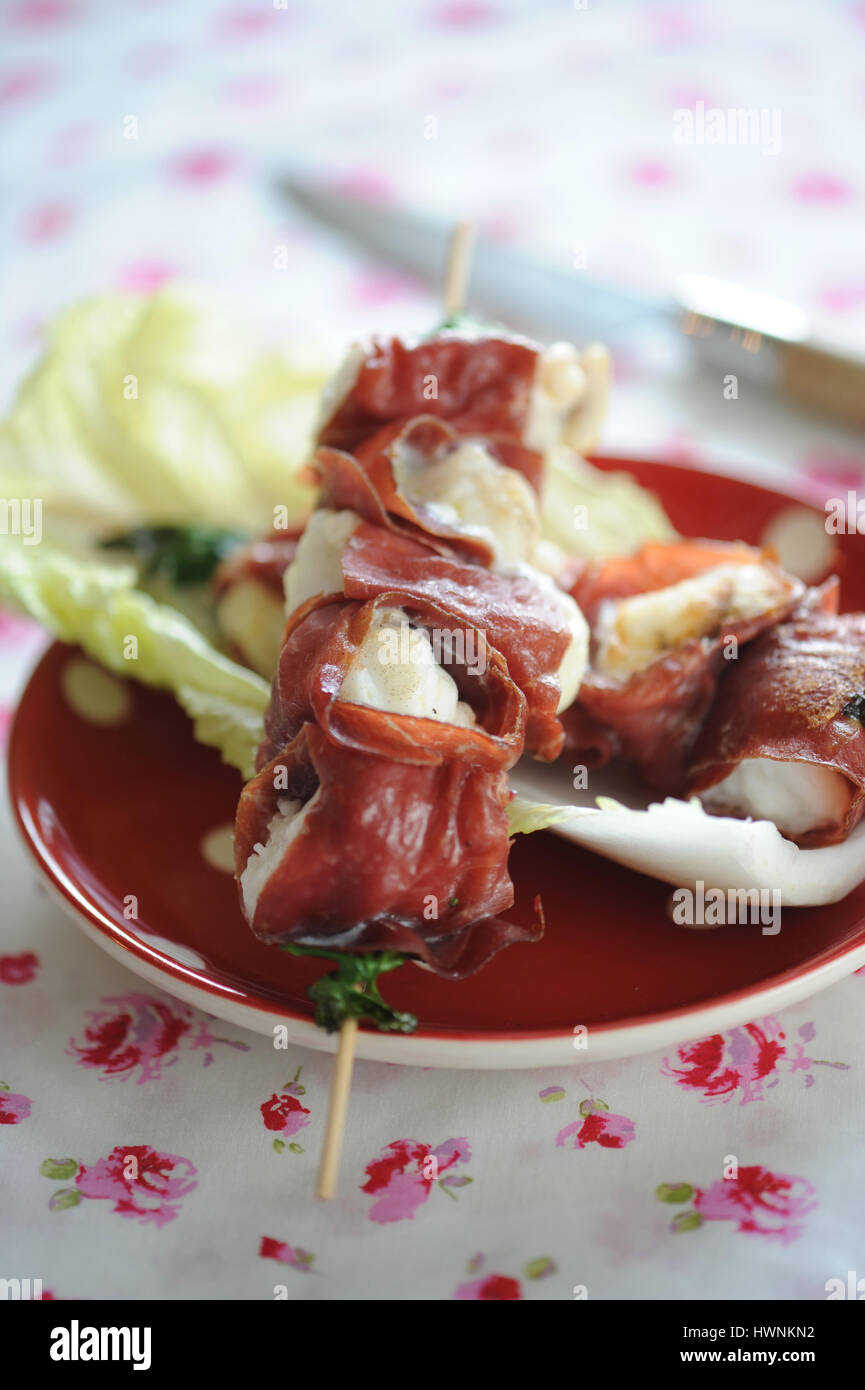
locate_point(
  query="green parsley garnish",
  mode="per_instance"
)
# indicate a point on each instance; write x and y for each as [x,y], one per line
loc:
[180,554]
[351,990]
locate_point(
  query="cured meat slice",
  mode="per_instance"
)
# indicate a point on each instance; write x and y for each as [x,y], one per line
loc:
[480,385]
[784,739]
[360,853]
[523,618]
[323,638]
[665,622]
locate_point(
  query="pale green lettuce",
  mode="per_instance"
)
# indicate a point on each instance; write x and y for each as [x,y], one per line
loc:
[98,608]
[160,409]
[591,513]
[525,817]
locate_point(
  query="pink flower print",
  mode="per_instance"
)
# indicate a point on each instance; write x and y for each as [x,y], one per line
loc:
[138,1033]
[465,14]
[820,187]
[48,221]
[742,1062]
[672,24]
[498,1288]
[703,1063]
[651,173]
[40,14]
[259,90]
[365,183]
[203,166]
[380,287]
[143,277]
[494,1288]
[284,1115]
[249,24]
[844,298]
[405,1173]
[22,83]
[143,1184]
[689,96]
[18,970]
[761,1202]
[13,1108]
[285,1254]
[598,1126]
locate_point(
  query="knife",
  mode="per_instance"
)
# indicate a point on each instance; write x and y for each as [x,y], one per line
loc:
[738,331]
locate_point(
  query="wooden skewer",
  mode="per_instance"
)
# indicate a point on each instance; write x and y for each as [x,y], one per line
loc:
[457,268]
[340,1084]
[454,296]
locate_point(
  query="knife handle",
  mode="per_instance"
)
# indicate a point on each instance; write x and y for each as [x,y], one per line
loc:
[819,379]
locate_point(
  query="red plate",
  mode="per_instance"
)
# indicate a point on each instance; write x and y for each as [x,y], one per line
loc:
[111,812]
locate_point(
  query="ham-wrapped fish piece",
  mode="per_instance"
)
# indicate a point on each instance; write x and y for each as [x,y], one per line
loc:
[424,652]
[377,819]
[784,740]
[420,478]
[250,598]
[524,615]
[344,664]
[663,623]
[447,437]
[495,386]
[361,853]
[536,627]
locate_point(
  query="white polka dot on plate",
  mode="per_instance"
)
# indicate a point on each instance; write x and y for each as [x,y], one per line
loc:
[94,694]
[804,546]
[217,848]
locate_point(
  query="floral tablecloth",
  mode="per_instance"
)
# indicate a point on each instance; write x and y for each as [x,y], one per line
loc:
[142,143]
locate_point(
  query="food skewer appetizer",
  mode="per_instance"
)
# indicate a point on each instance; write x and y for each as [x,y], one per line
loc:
[426,627]
[423,654]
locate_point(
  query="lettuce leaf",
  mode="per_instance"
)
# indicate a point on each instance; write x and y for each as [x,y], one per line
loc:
[525,816]
[161,409]
[590,513]
[226,723]
[98,608]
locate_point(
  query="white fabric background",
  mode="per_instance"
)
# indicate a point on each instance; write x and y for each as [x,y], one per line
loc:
[555,130]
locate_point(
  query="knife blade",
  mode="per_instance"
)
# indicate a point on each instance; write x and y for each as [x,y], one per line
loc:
[727,327]
[527,294]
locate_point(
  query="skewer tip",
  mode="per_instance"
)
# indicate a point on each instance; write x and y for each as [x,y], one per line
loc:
[458,266]
[340,1086]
